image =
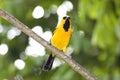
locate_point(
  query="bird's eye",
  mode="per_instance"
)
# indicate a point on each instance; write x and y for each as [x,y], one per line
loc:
[68,17]
[64,17]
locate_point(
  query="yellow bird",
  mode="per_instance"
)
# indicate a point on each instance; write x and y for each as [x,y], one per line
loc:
[60,40]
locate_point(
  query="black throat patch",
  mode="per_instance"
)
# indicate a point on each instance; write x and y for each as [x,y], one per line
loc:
[66,26]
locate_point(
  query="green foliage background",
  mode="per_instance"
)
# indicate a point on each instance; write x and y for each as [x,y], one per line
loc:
[98,49]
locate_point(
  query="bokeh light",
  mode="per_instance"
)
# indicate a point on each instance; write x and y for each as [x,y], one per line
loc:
[3,49]
[19,64]
[34,48]
[38,12]
[13,32]
[62,10]
[1,28]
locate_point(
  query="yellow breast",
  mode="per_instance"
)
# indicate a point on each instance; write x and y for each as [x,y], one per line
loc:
[60,38]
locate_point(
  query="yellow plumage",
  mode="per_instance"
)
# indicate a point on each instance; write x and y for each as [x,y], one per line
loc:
[60,40]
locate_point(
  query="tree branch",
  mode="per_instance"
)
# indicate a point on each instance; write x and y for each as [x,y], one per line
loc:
[77,67]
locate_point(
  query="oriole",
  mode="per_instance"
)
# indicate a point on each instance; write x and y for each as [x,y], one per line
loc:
[60,40]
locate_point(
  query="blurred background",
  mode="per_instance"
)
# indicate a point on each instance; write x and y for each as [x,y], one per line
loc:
[95,41]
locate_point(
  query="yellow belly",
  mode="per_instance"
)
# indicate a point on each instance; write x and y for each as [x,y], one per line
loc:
[60,39]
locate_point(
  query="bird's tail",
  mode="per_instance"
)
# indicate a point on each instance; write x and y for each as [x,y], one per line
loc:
[49,63]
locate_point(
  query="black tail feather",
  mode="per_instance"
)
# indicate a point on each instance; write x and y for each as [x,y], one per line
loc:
[49,63]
